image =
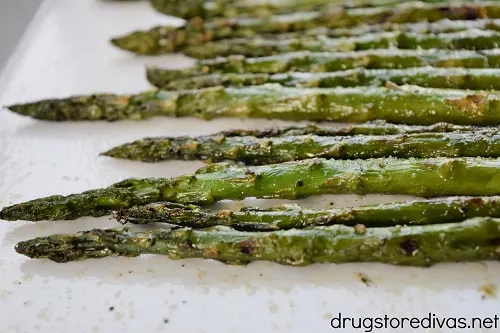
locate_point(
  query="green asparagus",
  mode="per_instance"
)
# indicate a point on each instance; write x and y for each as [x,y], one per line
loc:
[377,127]
[441,26]
[472,39]
[396,104]
[473,239]
[228,8]
[459,78]
[162,39]
[258,151]
[331,61]
[422,177]
[417,212]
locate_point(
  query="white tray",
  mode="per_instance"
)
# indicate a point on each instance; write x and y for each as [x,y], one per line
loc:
[66,51]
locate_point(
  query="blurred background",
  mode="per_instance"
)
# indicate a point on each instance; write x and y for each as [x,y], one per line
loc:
[15,16]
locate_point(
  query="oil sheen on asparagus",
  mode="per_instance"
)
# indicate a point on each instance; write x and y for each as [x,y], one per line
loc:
[458,78]
[395,104]
[473,39]
[230,8]
[441,26]
[417,212]
[306,61]
[471,240]
[369,128]
[433,177]
[258,151]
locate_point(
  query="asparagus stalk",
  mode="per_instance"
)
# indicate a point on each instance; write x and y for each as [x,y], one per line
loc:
[258,151]
[473,239]
[396,104]
[162,39]
[472,39]
[458,78]
[377,127]
[441,26]
[228,8]
[368,128]
[417,212]
[422,177]
[331,61]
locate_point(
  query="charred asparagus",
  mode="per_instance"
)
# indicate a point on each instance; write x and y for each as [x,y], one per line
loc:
[162,39]
[474,239]
[258,151]
[417,212]
[422,177]
[396,104]
[260,46]
[231,8]
[331,61]
[458,78]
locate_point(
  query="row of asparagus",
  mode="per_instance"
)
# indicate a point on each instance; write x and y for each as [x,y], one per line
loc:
[435,145]
[321,29]
[288,234]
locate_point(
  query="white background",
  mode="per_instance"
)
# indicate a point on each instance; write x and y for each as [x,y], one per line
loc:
[67,52]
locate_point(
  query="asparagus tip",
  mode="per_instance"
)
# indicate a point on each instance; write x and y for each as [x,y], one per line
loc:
[43,109]
[109,153]
[138,42]
[116,152]
[94,243]
[8,213]
[22,109]
[57,248]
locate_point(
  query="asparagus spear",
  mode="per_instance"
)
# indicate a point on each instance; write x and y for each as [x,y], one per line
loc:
[472,39]
[459,78]
[473,239]
[377,127]
[417,212]
[330,61]
[396,104]
[441,26]
[258,151]
[161,39]
[228,8]
[421,177]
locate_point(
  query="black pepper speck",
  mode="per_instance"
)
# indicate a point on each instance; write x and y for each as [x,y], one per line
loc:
[409,246]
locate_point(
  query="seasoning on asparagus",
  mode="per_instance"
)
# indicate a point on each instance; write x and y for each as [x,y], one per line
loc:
[441,26]
[470,240]
[458,78]
[306,61]
[395,104]
[417,212]
[472,39]
[224,8]
[377,127]
[422,177]
[162,39]
[258,151]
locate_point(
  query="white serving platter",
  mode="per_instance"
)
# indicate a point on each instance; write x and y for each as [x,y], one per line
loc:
[65,52]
